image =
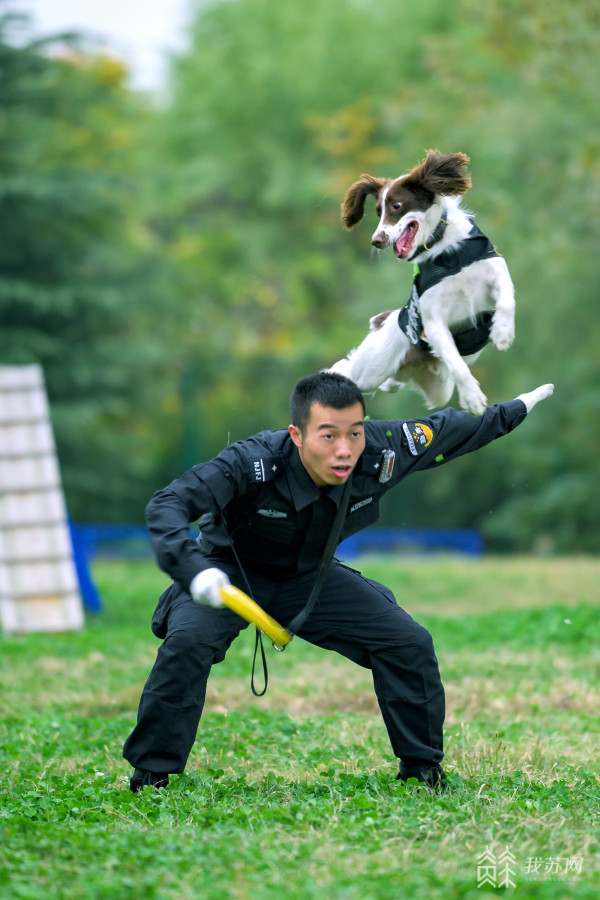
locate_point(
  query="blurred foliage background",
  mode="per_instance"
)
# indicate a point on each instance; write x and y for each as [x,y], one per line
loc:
[176,264]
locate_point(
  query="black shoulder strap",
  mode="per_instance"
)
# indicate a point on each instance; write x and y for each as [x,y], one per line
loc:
[299,620]
[267,468]
[332,542]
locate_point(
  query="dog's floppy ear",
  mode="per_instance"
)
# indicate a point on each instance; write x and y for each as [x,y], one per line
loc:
[353,206]
[440,174]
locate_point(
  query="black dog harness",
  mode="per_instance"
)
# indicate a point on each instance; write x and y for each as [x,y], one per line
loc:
[470,336]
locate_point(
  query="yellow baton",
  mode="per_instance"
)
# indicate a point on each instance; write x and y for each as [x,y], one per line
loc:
[245,607]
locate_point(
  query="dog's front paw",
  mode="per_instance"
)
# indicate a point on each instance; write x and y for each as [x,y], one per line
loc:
[472,399]
[503,333]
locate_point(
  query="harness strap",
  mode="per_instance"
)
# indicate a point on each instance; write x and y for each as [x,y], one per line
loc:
[470,335]
[299,620]
[438,234]
[476,246]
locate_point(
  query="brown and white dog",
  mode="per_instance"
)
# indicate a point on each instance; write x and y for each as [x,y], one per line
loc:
[462,297]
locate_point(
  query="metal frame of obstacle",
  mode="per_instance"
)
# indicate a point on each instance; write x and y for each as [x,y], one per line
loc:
[39,588]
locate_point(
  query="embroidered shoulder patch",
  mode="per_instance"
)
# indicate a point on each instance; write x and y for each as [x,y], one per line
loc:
[418,436]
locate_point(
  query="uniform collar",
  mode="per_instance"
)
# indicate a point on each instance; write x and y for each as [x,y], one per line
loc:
[303,490]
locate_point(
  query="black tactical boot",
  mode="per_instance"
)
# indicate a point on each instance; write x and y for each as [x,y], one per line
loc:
[430,774]
[142,777]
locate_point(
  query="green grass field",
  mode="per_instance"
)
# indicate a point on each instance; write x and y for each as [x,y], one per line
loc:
[293,794]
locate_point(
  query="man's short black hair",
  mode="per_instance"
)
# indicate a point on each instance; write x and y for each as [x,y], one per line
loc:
[325,388]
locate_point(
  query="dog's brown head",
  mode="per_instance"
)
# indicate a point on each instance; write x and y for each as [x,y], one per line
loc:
[438,175]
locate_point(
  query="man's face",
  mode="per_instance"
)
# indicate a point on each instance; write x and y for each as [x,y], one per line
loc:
[332,443]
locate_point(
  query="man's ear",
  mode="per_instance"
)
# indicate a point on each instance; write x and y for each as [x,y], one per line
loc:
[296,435]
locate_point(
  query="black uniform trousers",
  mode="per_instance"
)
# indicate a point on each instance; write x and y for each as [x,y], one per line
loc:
[354,616]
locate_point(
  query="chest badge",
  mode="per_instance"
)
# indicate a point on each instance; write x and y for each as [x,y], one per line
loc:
[387,465]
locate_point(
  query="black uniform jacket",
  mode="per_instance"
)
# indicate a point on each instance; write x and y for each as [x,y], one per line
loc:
[258,494]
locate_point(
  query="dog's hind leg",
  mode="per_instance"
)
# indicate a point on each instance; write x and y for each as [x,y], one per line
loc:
[433,381]
[470,396]
[391,386]
[377,358]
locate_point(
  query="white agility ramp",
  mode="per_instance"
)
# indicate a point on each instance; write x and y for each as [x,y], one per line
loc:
[39,588]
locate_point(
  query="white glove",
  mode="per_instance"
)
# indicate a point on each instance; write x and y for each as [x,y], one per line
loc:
[206,587]
[534,397]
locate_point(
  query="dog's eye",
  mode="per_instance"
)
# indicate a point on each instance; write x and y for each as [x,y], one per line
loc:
[396,205]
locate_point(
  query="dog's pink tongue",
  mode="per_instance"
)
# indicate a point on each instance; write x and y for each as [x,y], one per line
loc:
[404,243]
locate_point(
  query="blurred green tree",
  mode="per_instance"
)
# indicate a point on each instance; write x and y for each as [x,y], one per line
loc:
[273,111]
[76,266]
[523,76]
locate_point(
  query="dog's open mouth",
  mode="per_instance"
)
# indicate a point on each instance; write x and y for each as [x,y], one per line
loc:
[404,244]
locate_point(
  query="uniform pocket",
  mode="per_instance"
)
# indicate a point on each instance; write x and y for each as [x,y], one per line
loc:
[361,518]
[276,530]
[161,614]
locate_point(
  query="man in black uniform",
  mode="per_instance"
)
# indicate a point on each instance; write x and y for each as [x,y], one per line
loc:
[268,505]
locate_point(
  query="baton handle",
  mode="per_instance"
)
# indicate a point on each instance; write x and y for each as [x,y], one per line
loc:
[245,607]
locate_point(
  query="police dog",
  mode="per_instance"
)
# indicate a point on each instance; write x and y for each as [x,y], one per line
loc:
[462,297]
